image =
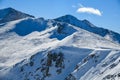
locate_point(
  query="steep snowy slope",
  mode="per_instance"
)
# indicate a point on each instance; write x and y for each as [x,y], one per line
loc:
[84,24]
[46,49]
[99,65]
[22,38]
[10,14]
[57,63]
[39,49]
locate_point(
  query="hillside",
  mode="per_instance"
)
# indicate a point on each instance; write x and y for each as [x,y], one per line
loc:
[64,48]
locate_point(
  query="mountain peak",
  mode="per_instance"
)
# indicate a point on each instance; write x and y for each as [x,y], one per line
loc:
[10,14]
[9,8]
[86,25]
[67,18]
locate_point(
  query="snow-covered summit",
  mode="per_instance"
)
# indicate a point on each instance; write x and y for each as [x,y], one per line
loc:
[67,18]
[85,24]
[10,14]
[57,49]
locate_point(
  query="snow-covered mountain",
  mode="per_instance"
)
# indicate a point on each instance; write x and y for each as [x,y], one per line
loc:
[10,14]
[85,24]
[56,49]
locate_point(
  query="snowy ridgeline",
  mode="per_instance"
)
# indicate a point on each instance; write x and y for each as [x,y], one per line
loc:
[56,49]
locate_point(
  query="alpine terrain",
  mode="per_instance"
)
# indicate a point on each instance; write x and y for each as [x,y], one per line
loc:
[64,48]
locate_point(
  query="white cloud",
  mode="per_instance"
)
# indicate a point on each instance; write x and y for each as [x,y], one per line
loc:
[89,10]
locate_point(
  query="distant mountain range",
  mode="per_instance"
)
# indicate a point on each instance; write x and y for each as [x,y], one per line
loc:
[64,48]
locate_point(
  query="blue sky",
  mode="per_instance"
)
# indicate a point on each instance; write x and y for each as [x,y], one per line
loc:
[102,13]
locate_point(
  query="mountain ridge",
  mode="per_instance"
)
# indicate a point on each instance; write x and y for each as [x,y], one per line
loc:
[52,49]
[10,14]
[84,24]
[114,36]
